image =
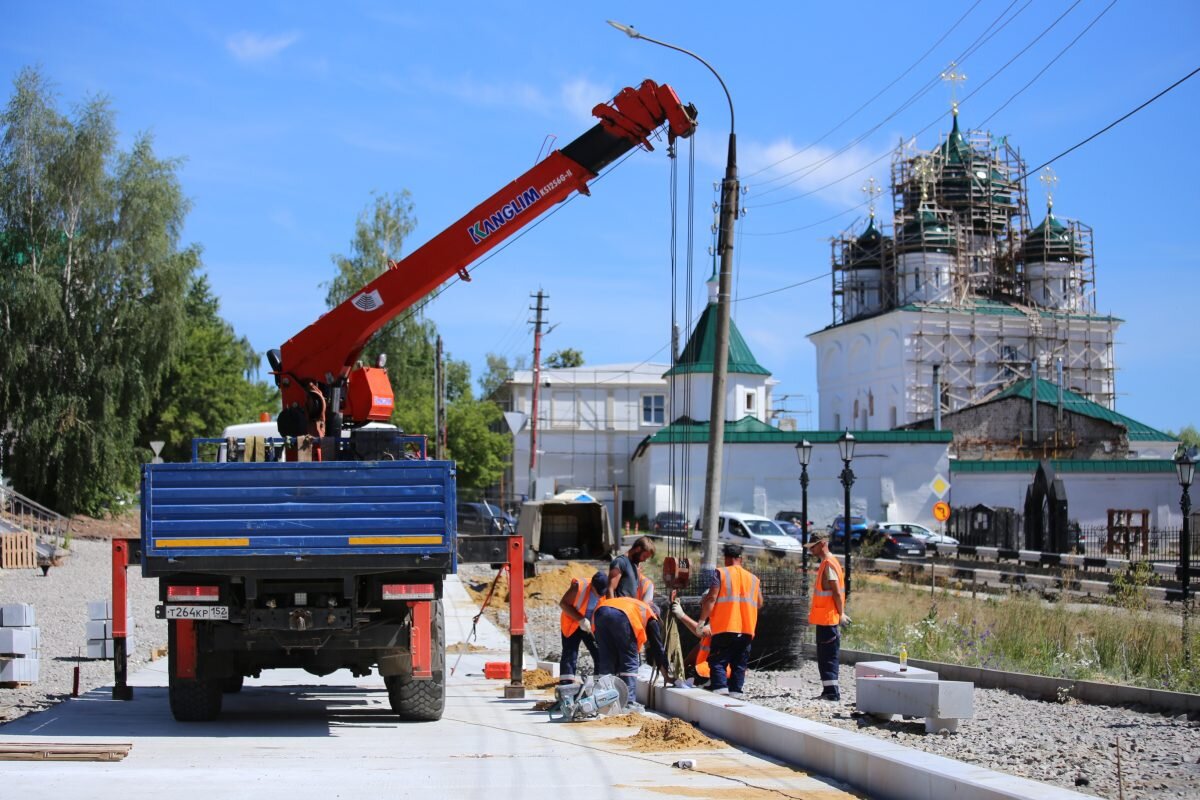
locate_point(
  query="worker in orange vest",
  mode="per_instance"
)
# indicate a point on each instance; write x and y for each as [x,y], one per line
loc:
[826,614]
[729,611]
[696,661]
[623,626]
[645,588]
[578,605]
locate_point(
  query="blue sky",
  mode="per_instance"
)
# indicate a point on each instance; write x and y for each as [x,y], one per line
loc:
[290,115]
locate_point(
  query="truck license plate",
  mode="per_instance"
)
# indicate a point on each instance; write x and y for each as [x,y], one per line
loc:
[197,612]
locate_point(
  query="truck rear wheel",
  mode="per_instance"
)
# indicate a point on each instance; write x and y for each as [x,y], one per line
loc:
[194,701]
[423,701]
[232,684]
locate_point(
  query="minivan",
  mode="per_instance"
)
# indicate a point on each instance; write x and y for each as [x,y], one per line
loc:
[751,530]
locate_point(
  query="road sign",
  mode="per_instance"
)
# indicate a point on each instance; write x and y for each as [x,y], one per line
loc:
[157,448]
[941,511]
[940,486]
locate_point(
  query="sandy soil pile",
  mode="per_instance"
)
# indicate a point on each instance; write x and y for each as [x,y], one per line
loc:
[618,721]
[543,590]
[658,735]
[538,679]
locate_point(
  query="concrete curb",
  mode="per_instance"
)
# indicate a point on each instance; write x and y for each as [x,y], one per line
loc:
[1092,692]
[880,768]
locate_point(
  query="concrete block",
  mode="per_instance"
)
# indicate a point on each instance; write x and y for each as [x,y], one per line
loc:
[891,669]
[17,615]
[15,642]
[99,609]
[99,629]
[549,666]
[100,648]
[19,670]
[940,703]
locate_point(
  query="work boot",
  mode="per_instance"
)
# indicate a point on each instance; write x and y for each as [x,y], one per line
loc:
[721,691]
[737,696]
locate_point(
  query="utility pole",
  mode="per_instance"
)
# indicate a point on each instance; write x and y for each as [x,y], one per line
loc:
[539,309]
[438,399]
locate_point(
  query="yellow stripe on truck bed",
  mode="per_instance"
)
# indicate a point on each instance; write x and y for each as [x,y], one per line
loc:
[394,540]
[201,542]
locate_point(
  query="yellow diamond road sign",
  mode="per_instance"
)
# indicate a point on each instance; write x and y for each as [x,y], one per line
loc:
[940,486]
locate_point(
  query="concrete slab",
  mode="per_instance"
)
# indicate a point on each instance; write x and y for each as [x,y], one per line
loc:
[291,735]
[890,669]
[940,703]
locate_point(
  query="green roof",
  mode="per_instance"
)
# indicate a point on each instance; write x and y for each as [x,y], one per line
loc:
[983,305]
[1047,392]
[1026,466]
[1050,240]
[702,347]
[749,430]
[955,149]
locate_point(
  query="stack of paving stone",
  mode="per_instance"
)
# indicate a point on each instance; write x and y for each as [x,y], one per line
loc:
[20,645]
[100,630]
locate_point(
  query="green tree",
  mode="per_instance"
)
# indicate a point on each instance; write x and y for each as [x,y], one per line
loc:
[498,371]
[565,358]
[1188,435]
[92,284]
[211,384]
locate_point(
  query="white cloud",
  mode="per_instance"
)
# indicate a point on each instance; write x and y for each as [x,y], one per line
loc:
[833,177]
[580,96]
[514,95]
[252,47]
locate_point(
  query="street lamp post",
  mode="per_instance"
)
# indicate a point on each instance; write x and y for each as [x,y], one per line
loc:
[716,439]
[846,450]
[1185,466]
[804,455]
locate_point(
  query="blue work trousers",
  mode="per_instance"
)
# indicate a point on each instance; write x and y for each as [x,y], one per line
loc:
[568,663]
[829,642]
[617,645]
[729,650]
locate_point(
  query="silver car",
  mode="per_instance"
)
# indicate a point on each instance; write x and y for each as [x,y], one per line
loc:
[920,531]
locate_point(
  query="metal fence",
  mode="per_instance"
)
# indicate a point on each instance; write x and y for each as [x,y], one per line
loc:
[19,513]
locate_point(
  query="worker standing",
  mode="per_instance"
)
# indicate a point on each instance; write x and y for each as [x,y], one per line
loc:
[623,572]
[578,605]
[827,614]
[729,612]
[623,626]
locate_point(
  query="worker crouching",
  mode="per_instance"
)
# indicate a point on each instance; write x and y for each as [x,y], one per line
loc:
[623,626]
[729,613]
[578,605]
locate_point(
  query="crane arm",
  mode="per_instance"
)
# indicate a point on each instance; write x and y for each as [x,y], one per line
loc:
[319,363]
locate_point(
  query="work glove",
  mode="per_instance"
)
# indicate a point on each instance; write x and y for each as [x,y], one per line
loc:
[676,608]
[585,625]
[704,630]
[844,621]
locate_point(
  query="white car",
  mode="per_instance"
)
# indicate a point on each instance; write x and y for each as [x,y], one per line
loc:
[920,531]
[751,530]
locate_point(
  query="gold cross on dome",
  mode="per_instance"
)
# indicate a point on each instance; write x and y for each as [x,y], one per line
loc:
[954,78]
[1049,180]
[923,170]
[871,189]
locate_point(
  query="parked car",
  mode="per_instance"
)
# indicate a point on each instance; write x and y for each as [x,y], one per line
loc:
[751,530]
[858,529]
[670,523]
[481,519]
[920,531]
[791,529]
[898,543]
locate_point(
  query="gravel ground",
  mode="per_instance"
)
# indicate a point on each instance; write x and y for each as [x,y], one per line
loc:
[60,604]
[1072,744]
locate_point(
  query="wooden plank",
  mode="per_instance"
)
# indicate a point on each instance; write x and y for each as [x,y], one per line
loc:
[63,751]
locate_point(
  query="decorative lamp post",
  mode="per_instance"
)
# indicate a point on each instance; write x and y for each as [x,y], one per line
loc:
[846,451]
[804,456]
[1185,466]
[716,426]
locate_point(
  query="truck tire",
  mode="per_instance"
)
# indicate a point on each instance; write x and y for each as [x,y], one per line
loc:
[232,684]
[423,701]
[194,701]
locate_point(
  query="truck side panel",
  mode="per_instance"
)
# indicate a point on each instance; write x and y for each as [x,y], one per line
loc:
[206,511]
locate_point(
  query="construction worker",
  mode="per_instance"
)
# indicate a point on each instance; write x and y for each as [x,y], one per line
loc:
[729,613]
[696,661]
[623,626]
[623,572]
[645,588]
[578,605]
[826,614]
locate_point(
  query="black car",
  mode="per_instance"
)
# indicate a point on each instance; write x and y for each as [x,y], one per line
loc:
[898,544]
[480,519]
[670,523]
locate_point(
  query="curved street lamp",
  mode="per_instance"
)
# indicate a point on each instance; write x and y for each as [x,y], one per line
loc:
[846,451]
[716,439]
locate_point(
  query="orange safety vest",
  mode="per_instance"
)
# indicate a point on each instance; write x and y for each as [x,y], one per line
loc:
[738,601]
[645,588]
[639,614]
[702,654]
[824,610]
[569,625]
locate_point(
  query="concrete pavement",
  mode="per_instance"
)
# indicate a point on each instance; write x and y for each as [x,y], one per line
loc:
[290,735]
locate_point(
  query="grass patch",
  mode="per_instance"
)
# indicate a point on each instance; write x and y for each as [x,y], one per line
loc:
[1023,634]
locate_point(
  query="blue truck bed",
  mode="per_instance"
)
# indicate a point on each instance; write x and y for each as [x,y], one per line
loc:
[298,515]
